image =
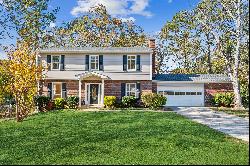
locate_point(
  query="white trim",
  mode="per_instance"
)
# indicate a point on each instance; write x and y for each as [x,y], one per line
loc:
[97,62]
[151,67]
[51,67]
[130,60]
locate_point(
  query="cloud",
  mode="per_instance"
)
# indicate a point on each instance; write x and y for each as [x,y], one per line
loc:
[52,25]
[117,8]
[170,1]
[128,19]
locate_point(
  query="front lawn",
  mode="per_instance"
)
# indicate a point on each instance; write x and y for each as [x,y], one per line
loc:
[124,137]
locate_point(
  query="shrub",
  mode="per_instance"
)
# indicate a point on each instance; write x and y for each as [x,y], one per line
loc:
[224,99]
[41,102]
[110,101]
[153,100]
[59,103]
[50,106]
[129,101]
[72,102]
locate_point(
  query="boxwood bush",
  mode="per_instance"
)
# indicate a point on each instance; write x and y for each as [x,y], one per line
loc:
[224,99]
[42,102]
[110,102]
[153,100]
[59,103]
[72,102]
[129,101]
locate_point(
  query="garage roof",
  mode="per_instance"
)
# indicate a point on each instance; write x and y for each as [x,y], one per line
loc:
[210,78]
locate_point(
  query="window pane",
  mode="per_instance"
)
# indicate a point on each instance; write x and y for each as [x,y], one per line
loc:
[131,62]
[160,92]
[169,93]
[55,65]
[188,93]
[56,58]
[182,93]
[193,93]
[199,93]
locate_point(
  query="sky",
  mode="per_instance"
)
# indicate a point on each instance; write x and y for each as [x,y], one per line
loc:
[151,15]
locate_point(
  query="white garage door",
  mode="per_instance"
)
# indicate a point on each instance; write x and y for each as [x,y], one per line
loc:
[180,94]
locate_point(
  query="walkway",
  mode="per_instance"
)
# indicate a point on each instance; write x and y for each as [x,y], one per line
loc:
[229,124]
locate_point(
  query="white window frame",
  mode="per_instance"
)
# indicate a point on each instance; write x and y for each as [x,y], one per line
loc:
[130,61]
[129,84]
[97,56]
[53,91]
[56,62]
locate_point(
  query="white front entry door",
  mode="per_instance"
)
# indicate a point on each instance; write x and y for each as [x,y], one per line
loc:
[182,94]
[93,93]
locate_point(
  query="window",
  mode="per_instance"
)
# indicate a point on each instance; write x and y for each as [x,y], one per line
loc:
[199,93]
[57,90]
[179,93]
[161,93]
[169,93]
[131,63]
[94,62]
[131,89]
[55,62]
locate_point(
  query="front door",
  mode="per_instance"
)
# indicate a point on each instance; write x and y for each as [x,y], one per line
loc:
[94,91]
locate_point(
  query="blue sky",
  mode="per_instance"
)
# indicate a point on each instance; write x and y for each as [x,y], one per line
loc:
[151,15]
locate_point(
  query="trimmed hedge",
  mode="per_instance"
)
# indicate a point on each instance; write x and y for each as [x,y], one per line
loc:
[59,103]
[129,101]
[153,100]
[72,102]
[110,101]
[224,99]
[41,102]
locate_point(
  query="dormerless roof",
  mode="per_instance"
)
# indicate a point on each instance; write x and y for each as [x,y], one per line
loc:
[193,77]
[98,50]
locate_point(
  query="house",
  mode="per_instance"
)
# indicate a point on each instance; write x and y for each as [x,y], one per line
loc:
[92,73]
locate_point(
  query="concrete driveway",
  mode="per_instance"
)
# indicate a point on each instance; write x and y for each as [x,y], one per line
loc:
[229,124]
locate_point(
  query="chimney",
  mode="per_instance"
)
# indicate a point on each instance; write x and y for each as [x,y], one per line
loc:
[151,44]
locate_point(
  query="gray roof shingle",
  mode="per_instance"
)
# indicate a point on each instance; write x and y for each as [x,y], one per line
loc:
[193,77]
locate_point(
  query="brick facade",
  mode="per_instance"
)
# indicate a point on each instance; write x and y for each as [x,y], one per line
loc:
[213,88]
[111,87]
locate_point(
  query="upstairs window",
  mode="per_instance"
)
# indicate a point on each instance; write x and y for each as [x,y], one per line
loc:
[55,62]
[131,63]
[94,62]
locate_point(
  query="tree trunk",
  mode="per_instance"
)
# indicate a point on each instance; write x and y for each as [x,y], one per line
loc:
[209,54]
[17,110]
[236,85]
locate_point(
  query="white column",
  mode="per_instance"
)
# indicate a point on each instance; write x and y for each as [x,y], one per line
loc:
[102,99]
[80,92]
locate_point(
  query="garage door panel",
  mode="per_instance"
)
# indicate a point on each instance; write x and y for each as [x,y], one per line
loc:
[183,100]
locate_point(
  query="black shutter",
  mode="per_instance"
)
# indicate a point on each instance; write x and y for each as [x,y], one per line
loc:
[64,90]
[125,62]
[123,90]
[62,65]
[101,62]
[49,62]
[50,90]
[138,87]
[138,62]
[87,63]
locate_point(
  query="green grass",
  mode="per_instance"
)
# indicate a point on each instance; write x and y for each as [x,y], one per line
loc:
[124,137]
[241,113]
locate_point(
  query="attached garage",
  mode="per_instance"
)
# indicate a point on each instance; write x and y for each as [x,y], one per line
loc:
[186,89]
[182,94]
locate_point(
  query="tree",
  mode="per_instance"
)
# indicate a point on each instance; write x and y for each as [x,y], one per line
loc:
[96,29]
[23,77]
[182,42]
[26,19]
